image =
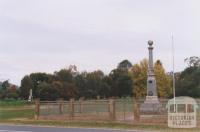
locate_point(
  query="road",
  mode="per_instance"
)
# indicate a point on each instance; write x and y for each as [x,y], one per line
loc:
[16,128]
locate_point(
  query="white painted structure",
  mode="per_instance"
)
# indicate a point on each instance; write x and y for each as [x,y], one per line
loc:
[182,113]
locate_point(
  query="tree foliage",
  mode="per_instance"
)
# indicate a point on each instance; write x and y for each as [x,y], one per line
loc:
[163,81]
[8,90]
[124,65]
[47,92]
[26,85]
[92,85]
[193,61]
[188,82]
[139,72]
[121,83]
[125,80]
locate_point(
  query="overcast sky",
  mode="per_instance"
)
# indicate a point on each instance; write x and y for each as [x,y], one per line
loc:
[47,35]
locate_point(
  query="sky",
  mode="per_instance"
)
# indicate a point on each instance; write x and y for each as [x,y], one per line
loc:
[47,35]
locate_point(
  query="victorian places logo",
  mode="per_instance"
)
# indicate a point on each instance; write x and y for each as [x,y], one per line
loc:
[182,112]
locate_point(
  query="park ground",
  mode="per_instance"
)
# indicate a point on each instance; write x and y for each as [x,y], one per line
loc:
[20,114]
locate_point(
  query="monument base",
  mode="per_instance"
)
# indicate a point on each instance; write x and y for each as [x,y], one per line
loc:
[151,105]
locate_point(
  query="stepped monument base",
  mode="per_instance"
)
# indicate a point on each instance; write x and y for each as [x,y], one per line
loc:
[151,105]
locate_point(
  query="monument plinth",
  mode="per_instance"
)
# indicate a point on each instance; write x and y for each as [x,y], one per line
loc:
[151,104]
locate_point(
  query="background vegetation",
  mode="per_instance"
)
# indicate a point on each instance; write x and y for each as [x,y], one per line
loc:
[123,81]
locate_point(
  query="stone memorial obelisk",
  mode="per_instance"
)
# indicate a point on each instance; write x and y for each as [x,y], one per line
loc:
[151,104]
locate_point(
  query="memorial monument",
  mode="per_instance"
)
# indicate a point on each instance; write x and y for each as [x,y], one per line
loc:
[151,104]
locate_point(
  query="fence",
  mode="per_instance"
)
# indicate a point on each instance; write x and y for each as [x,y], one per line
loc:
[121,110]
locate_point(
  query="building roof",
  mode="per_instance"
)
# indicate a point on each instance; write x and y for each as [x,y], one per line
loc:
[182,100]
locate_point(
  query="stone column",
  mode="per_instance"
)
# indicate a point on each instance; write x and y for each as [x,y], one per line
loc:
[151,104]
[151,81]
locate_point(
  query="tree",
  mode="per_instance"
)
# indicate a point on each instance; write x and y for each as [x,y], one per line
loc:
[163,81]
[61,82]
[64,75]
[121,84]
[26,85]
[5,84]
[193,61]
[13,92]
[80,81]
[124,65]
[105,88]
[94,84]
[38,78]
[47,92]
[2,92]
[8,90]
[139,73]
[139,77]
[66,78]
[4,89]
[69,90]
[188,83]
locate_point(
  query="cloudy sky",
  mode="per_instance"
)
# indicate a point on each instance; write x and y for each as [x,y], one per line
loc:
[47,35]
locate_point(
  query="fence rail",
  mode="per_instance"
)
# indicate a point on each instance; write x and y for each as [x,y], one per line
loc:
[122,110]
[85,109]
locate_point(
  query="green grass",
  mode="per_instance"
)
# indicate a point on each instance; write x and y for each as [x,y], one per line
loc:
[13,114]
[11,102]
[10,110]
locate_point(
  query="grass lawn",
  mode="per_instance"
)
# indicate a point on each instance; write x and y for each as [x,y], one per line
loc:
[11,102]
[9,114]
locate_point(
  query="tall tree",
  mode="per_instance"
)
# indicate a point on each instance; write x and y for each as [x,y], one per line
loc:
[38,78]
[80,81]
[26,85]
[188,83]
[139,72]
[64,75]
[124,65]
[121,84]
[139,78]
[47,92]
[163,81]
[5,84]
[66,78]
[94,84]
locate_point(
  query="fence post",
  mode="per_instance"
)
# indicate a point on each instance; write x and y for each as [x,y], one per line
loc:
[112,113]
[136,109]
[37,108]
[61,106]
[71,107]
[124,108]
[81,105]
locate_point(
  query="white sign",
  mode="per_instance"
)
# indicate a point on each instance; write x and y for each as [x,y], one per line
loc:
[182,112]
